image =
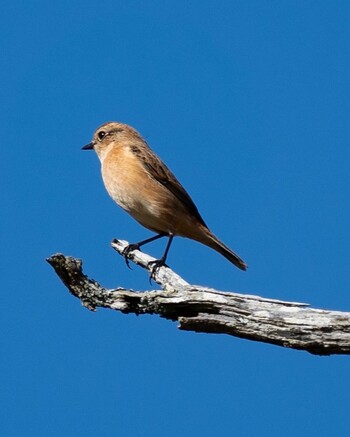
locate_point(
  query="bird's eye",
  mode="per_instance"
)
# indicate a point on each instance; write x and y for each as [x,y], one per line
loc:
[101,135]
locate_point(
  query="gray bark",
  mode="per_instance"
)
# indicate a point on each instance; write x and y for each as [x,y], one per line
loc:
[195,308]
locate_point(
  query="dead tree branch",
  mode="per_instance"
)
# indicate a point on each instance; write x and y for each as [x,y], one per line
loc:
[201,309]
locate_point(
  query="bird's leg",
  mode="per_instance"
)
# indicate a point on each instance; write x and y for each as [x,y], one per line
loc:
[136,246]
[161,262]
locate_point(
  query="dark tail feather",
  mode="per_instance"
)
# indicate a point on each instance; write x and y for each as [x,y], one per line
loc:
[231,256]
[220,247]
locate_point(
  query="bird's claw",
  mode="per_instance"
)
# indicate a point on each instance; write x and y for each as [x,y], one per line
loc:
[129,248]
[157,264]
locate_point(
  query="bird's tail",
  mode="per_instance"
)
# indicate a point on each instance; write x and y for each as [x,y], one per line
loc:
[211,241]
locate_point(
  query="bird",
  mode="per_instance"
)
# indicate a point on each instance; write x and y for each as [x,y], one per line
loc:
[141,184]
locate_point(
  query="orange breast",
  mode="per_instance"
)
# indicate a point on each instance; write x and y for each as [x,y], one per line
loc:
[131,187]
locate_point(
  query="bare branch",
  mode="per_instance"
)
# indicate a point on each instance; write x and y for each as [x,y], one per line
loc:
[201,309]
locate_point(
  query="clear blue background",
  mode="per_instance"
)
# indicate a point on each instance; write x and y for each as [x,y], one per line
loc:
[248,102]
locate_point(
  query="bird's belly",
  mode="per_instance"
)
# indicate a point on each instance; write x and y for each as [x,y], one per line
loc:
[144,200]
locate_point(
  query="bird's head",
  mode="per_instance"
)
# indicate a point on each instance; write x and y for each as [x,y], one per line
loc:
[109,135]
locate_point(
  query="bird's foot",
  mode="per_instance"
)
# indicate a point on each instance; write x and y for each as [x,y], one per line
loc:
[156,264]
[127,250]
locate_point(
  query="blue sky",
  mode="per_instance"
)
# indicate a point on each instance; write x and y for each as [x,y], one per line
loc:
[248,103]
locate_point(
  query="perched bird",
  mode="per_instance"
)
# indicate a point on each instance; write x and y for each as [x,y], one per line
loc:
[139,182]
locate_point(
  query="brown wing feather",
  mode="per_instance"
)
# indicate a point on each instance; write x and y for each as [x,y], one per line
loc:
[160,172]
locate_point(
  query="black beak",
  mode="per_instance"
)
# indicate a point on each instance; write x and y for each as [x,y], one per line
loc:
[89,146]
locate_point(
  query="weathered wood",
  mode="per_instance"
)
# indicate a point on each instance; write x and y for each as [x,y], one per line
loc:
[289,324]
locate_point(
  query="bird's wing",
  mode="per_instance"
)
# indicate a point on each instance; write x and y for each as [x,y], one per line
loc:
[160,172]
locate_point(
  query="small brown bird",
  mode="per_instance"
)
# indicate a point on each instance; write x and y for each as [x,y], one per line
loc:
[139,182]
